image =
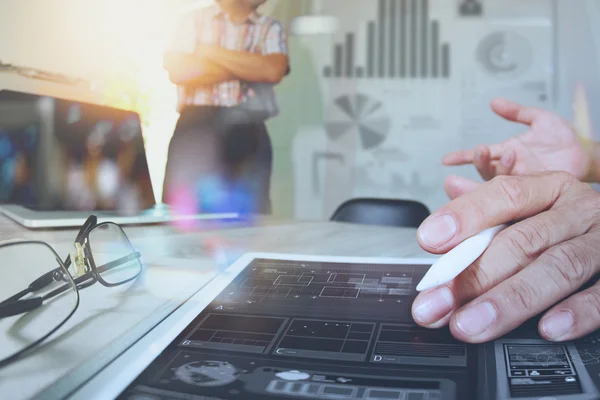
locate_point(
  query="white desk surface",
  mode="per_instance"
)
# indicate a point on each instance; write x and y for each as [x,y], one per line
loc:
[177,264]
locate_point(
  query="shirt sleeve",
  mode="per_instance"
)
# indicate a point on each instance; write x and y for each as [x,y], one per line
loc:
[183,38]
[275,39]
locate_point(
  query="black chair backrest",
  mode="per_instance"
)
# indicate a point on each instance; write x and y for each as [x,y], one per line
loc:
[386,212]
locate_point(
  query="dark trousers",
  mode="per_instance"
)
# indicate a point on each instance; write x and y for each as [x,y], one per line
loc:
[230,161]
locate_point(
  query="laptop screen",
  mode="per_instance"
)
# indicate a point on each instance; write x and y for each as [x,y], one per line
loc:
[57,154]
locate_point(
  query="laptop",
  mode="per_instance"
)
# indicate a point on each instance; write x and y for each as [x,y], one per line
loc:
[62,160]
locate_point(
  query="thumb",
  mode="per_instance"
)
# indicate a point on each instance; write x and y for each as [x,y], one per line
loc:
[515,112]
[456,186]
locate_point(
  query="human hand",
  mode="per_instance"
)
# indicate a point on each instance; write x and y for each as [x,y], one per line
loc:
[548,254]
[456,186]
[550,144]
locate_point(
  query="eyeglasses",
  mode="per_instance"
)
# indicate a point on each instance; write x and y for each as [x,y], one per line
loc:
[102,253]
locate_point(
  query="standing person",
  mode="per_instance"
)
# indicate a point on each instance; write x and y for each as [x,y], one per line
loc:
[225,60]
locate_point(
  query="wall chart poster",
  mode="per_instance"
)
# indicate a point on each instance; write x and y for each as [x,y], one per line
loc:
[405,81]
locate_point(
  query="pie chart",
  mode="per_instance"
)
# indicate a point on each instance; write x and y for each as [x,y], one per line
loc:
[359,115]
[505,54]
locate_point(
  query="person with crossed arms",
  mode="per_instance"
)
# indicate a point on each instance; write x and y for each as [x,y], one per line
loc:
[225,60]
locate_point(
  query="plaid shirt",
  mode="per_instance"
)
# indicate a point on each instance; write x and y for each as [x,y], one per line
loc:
[211,25]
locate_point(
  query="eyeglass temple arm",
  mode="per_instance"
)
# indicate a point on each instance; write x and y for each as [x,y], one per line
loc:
[16,307]
[44,280]
[102,268]
[16,296]
[9,309]
[20,307]
[48,277]
[119,261]
[67,286]
[37,284]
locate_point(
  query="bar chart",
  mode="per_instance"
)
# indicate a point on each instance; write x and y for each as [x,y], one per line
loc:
[402,43]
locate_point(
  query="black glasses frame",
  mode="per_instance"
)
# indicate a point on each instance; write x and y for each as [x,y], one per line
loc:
[15,306]
[83,239]
[84,277]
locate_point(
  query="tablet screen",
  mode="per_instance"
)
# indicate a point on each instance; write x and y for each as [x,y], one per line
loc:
[312,330]
[66,155]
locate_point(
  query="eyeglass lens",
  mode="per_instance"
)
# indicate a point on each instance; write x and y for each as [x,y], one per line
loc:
[115,259]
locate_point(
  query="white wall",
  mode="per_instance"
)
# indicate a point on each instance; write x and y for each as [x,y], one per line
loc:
[555,41]
[121,41]
[579,56]
[80,37]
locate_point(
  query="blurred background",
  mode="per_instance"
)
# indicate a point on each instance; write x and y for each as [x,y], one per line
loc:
[363,113]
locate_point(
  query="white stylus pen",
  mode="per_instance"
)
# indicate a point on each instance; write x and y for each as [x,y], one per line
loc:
[451,264]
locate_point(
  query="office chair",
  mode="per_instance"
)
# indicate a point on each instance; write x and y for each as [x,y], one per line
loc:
[386,212]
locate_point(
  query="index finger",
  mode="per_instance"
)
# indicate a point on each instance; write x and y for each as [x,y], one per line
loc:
[460,157]
[463,157]
[516,112]
[501,200]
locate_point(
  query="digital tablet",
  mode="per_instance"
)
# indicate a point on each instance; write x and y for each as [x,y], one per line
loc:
[303,327]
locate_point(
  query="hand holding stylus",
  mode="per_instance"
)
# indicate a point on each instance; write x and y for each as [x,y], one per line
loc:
[535,265]
[451,264]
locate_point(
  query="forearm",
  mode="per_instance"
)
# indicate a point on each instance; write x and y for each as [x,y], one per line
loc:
[250,67]
[190,70]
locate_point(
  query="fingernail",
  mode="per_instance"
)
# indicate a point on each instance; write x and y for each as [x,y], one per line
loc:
[438,230]
[507,159]
[434,306]
[476,319]
[558,325]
